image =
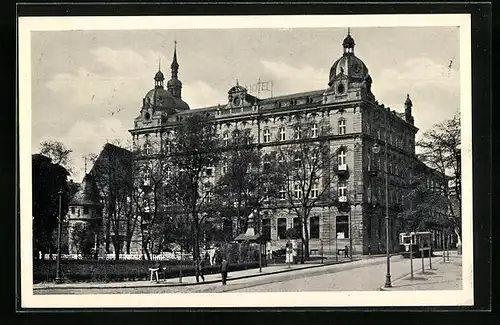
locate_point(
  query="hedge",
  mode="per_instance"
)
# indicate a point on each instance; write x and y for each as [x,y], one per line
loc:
[119,270]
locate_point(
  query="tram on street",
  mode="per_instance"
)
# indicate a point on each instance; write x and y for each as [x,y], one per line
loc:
[416,243]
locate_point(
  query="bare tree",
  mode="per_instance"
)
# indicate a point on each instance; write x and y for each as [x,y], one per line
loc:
[149,196]
[441,150]
[307,164]
[195,149]
[250,178]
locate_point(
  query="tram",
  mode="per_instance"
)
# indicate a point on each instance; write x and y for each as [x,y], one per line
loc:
[414,242]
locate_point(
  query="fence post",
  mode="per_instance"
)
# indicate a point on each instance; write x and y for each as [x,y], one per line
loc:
[411,259]
[422,256]
[430,258]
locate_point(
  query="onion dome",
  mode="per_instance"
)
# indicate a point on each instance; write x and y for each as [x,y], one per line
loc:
[349,65]
[159,76]
[237,89]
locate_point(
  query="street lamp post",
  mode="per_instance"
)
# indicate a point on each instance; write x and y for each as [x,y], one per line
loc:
[376,150]
[58,262]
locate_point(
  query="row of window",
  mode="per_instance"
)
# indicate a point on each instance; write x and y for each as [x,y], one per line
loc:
[341,226]
[77,211]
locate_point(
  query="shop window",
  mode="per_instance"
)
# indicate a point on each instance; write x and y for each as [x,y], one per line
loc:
[342,226]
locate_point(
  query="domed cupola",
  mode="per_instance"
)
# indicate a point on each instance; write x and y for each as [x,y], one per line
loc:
[349,71]
[158,97]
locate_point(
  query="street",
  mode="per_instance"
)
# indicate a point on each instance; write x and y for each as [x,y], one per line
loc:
[363,275]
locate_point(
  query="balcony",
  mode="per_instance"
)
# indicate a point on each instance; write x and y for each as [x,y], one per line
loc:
[341,170]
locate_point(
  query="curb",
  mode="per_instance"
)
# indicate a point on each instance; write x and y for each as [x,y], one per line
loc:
[399,278]
[155,285]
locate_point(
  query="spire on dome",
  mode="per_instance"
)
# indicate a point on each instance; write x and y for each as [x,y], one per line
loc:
[174,66]
[408,101]
[174,85]
[348,42]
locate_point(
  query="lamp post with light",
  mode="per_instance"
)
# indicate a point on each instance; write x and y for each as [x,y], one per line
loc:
[376,150]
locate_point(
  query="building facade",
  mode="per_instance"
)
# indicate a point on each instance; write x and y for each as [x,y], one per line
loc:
[357,122]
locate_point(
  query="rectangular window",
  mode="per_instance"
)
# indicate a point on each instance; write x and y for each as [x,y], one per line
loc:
[341,157]
[298,133]
[226,139]
[282,132]
[297,161]
[281,228]
[342,126]
[297,191]
[72,210]
[224,168]
[342,226]
[314,130]
[314,227]
[314,191]
[267,135]
[342,189]
[282,194]
[85,210]
[297,226]
[209,171]
[209,196]
[266,229]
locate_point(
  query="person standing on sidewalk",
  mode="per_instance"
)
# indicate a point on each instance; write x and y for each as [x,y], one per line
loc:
[223,270]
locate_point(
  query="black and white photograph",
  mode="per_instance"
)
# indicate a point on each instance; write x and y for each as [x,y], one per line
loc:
[258,161]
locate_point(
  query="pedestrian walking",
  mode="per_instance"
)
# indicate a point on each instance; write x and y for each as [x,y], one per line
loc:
[346,251]
[223,270]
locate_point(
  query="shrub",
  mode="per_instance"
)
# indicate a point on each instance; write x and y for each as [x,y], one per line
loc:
[113,270]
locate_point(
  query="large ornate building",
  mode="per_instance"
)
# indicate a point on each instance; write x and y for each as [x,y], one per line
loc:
[357,122]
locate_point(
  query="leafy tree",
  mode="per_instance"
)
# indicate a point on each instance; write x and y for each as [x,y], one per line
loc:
[112,174]
[58,152]
[307,168]
[47,180]
[83,239]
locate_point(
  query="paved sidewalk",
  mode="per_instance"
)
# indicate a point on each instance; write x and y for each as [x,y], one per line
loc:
[444,275]
[191,280]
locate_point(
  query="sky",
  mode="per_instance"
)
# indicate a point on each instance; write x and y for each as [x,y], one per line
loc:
[87,86]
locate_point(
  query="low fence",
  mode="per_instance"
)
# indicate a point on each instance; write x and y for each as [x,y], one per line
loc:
[120,270]
[127,257]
